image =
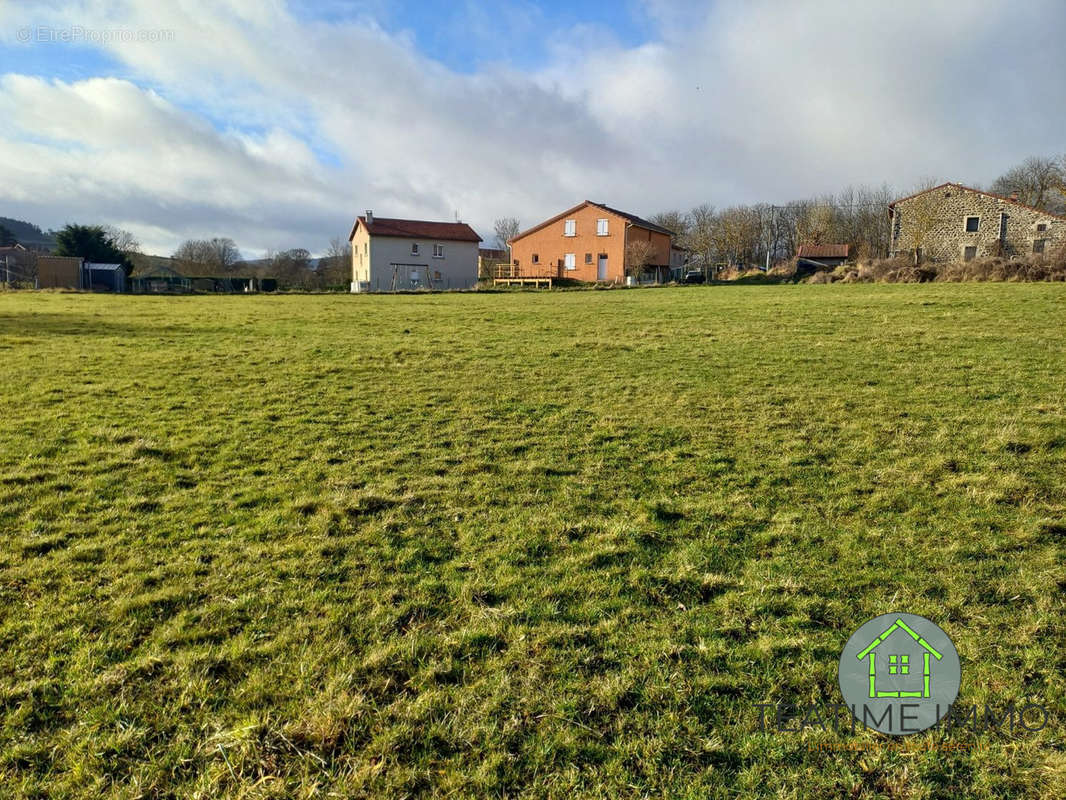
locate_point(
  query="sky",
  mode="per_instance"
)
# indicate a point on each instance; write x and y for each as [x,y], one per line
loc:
[276,123]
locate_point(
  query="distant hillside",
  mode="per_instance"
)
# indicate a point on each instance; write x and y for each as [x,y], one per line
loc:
[27,233]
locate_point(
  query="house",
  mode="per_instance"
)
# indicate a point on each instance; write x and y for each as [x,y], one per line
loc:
[894,678]
[679,261]
[17,263]
[404,254]
[812,257]
[589,242]
[952,222]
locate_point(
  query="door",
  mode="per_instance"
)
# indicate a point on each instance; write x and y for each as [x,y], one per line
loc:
[601,268]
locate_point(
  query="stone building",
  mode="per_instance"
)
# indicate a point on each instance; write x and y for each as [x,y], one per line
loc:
[955,223]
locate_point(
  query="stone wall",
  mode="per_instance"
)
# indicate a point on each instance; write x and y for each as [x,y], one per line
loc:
[936,222]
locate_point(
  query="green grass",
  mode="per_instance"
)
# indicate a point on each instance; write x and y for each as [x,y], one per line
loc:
[548,545]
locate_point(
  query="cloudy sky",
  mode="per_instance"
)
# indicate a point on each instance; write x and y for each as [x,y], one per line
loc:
[277,122]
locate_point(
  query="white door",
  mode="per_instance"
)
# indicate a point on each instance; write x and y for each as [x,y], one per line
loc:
[601,268]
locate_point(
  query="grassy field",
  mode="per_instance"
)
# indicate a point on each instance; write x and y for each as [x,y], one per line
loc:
[538,545]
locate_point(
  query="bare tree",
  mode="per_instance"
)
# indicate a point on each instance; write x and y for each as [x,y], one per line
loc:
[216,256]
[335,267]
[122,239]
[506,228]
[1037,180]
[638,255]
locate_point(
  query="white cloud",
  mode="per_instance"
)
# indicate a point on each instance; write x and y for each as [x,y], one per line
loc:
[255,124]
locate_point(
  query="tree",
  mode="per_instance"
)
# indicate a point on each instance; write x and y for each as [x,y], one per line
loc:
[335,267]
[638,256]
[91,243]
[122,239]
[291,268]
[7,238]
[701,237]
[1037,180]
[506,228]
[214,257]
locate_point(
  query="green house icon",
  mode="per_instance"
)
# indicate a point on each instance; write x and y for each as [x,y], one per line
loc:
[899,663]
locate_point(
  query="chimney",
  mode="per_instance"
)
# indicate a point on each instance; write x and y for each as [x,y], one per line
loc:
[1014,197]
[369,217]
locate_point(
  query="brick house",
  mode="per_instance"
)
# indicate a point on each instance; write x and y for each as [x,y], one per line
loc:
[956,223]
[588,243]
[404,254]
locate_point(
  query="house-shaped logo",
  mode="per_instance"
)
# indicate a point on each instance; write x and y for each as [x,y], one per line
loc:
[898,656]
[899,673]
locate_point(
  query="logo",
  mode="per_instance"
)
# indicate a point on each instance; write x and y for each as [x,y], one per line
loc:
[899,674]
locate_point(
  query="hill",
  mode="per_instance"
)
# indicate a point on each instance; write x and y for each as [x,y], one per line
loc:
[27,233]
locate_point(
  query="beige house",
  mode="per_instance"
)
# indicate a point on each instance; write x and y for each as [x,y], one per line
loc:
[951,222]
[390,255]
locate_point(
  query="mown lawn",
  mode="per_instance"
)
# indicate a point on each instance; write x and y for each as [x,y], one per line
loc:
[548,545]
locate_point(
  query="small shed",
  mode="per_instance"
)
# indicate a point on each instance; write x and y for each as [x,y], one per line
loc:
[103,277]
[813,257]
[59,272]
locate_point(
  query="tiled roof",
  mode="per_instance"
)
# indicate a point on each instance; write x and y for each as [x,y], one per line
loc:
[418,229]
[823,251]
[632,218]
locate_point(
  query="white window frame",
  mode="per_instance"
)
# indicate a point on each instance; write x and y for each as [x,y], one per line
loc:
[438,250]
[966,220]
[414,248]
[570,227]
[570,261]
[603,227]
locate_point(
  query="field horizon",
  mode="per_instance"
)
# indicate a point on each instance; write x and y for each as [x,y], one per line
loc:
[522,544]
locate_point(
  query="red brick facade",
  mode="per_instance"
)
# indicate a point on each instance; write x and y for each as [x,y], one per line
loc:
[596,249]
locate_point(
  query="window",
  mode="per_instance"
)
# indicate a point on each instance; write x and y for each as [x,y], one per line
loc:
[1041,227]
[366,248]
[969,253]
[516,262]
[973,224]
[438,251]
[436,275]
[1038,245]
[601,227]
[414,248]
[570,261]
[536,258]
[570,227]
[900,663]
[588,258]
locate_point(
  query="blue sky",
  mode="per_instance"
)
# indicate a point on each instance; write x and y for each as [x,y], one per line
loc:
[519,33]
[276,122]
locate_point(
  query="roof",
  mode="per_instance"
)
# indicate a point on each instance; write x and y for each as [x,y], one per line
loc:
[417,229]
[894,203]
[489,252]
[157,271]
[632,218]
[104,267]
[823,251]
[898,625]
